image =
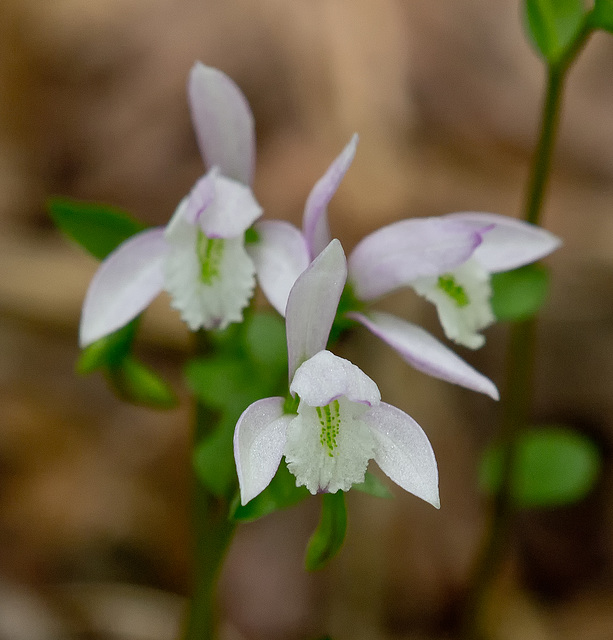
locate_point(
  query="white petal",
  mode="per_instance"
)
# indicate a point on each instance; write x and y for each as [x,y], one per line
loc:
[325,377]
[126,282]
[510,243]
[315,219]
[424,352]
[404,452]
[280,255]
[312,304]
[223,122]
[259,439]
[395,255]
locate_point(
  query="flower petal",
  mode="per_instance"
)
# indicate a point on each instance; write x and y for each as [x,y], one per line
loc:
[126,282]
[223,122]
[259,439]
[510,243]
[424,352]
[326,377]
[404,452]
[312,303]
[394,255]
[280,255]
[315,219]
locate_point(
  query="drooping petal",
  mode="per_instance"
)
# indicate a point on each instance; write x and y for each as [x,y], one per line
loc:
[510,243]
[280,255]
[395,255]
[315,219]
[223,122]
[424,352]
[126,282]
[326,377]
[312,303]
[259,439]
[404,452]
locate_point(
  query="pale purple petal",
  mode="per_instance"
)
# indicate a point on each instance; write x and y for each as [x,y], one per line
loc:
[280,255]
[259,439]
[404,452]
[395,255]
[511,243]
[223,122]
[126,282]
[315,219]
[200,197]
[326,377]
[424,352]
[312,303]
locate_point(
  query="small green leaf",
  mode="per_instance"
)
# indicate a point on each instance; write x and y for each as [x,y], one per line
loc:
[553,25]
[554,465]
[219,381]
[519,294]
[265,340]
[602,15]
[373,486]
[136,383]
[281,493]
[213,459]
[329,536]
[108,351]
[98,228]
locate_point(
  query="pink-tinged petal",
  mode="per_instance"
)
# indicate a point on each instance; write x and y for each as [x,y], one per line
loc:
[315,219]
[312,303]
[280,255]
[424,352]
[259,439]
[200,197]
[223,122]
[395,255]
[326,377]
[126,282]
[404,452]
[510,243]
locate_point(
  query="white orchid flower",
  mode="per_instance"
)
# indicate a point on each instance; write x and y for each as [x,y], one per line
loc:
[341,422]
[199,258]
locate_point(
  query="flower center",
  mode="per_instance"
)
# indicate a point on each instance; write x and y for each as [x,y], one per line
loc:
[448,284]
[330,420]
[210,252]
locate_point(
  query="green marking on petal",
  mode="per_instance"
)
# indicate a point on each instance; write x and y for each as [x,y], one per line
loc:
[330,420]
[456,292]
[210,253]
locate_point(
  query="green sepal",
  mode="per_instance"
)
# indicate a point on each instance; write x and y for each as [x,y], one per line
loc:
[554,465]
[98,228]
[329,536]
[373,486]
[601,15]
[108,351]
[553,25]
[281,493]
[519,294]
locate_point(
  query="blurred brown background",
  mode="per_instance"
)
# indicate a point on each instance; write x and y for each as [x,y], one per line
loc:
[445,97]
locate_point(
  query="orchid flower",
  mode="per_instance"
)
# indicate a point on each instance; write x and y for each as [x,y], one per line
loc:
[199,258]
[447,259]
[340,423]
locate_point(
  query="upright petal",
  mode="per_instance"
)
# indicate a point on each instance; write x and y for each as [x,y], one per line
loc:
[312,303]
[424,352]
[394,255]
[315,219]
[126,282]
[510,243]
[404,452]
[280,255]
[259,439]
[223,122]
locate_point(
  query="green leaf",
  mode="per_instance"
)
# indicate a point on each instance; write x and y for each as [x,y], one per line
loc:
[265,340]
[328,538]
[553,25]
[108,351]
[602,15]
[373,486]
[281,493]
[213,459]
[554,465]
[220,381]
[98,228]
[519,294]
[137,383]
